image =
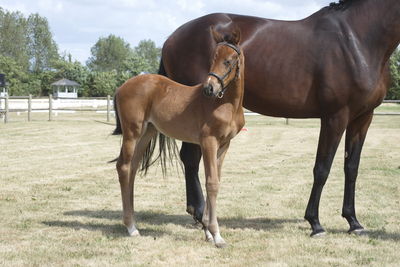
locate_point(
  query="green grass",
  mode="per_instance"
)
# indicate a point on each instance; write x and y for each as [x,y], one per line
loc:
[60,200]
[389,107]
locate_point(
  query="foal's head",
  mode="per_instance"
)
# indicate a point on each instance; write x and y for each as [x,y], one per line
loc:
[225,66]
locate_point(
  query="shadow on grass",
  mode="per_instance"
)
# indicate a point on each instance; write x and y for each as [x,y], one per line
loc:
[370,234]
[110,230]
[158,218]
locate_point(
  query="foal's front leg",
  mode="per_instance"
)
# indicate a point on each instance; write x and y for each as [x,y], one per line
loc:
[220,159]
[209,148]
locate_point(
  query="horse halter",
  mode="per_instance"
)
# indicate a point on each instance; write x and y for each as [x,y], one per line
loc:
[221,78]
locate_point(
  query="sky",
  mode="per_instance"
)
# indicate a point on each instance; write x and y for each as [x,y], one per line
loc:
[76,25]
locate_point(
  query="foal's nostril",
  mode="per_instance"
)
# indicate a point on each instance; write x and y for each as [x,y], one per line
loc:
[208,90]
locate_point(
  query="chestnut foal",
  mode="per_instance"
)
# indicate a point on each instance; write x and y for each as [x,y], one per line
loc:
[208,114]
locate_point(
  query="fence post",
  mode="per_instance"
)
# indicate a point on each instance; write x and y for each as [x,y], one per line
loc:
[50,107]
[29,107]
[108,107]
[287,121]
[6,109]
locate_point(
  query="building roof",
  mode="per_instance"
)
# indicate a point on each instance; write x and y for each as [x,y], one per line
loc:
[65,82]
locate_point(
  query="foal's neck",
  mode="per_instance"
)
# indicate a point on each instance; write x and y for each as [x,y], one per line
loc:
[234,93]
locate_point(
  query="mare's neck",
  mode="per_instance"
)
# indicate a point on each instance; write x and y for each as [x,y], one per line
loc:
[376,24]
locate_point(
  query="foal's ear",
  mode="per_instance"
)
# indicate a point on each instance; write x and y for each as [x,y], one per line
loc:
[218,37]
[236,36]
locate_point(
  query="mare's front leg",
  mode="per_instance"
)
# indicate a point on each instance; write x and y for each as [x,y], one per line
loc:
[190,155]
[332,129]
[209,147]
[355,136]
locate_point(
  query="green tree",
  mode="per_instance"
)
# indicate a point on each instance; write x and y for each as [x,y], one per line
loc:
[394,91]
[20,82]
[147,50]
[27,50]
[108,54]
[135,64]
[13,37]
[42,48]
[103,83]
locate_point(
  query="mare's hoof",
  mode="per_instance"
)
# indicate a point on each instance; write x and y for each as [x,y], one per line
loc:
[190,210]
[318,234]
[358,232]
[196,214]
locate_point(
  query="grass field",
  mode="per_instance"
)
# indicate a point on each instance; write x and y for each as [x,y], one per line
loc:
[60,201]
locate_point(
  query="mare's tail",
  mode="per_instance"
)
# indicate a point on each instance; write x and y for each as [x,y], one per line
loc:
[167,147]
[118,129]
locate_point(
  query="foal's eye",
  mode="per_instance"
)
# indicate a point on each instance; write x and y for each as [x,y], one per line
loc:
[227,63]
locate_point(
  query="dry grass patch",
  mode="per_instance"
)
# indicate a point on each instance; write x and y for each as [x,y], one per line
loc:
[60,200]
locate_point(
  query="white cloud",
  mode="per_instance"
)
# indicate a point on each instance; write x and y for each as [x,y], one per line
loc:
[51,5]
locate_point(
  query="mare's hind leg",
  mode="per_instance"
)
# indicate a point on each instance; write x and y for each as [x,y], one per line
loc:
[332,129]
[355,136]
[190,155]
[127,166]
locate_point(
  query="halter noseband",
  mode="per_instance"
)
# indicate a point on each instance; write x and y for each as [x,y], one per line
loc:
[221,79]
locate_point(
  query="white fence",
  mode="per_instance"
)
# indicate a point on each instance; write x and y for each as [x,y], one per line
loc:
[100,104]
[53,106]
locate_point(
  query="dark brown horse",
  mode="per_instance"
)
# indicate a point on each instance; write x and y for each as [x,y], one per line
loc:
[150,103]
[332,65]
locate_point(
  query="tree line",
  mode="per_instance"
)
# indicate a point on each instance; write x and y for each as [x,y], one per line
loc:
[31,61]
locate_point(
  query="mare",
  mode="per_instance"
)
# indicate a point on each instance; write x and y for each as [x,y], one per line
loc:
[209,114]
[332,65]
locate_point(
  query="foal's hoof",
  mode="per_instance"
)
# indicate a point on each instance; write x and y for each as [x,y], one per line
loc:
[209,237]
[318,234]
[358,232]
[132,231]
[221,244]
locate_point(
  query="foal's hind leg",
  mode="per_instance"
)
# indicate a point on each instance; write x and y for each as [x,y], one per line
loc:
[355,136]
[127,166]
[124,164]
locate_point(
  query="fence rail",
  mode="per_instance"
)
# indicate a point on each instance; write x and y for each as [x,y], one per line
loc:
[79,104]
[53,105]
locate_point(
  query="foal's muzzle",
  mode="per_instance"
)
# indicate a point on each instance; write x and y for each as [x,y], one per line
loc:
[208,90]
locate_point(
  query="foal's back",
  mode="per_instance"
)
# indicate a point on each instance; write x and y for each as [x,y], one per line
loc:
[171,107]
